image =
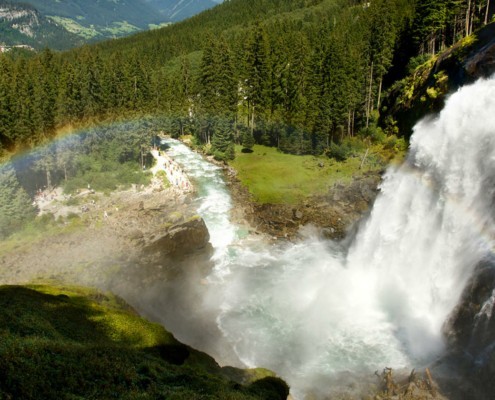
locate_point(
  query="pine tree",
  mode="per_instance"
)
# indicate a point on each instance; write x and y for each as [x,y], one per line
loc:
[256,73]
[68,105]
[430,21]
[15,204]
[247,139]
[45,162]
[222,141]
[6,115]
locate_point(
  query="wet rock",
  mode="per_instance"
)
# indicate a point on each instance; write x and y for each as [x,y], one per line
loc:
[180,240]
[470,329]
[481,64]
[471,326]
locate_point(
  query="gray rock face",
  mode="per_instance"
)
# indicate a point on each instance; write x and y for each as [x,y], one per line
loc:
[470,330]
[481,64]
[180,240]
[471,326]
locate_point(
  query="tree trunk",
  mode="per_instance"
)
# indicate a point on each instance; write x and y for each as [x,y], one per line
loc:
[349,123]
[252,121]
[364,158]
[455,29]
[486,12]
[368,105]
[468,17]
[473,10]
[379,94]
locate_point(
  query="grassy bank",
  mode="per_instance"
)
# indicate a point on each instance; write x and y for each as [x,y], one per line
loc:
[75,343]
[274,177]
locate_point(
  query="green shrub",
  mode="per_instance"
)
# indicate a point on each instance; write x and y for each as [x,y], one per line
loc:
[339,152]
[374,133]
[271,387]
[415,62]
[345,149]
[394,143]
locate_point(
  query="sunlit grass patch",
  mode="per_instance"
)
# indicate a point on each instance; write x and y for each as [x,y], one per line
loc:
[275,177]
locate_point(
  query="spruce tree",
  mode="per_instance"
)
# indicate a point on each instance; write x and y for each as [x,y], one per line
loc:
[15,204]
[223,140]
[247,139]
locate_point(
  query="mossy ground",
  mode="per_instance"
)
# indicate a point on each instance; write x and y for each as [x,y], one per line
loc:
[77,343]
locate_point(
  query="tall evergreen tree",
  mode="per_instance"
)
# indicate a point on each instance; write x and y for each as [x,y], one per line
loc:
[15,204]
[256,73]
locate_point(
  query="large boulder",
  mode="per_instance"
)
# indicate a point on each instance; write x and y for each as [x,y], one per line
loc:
[181,239]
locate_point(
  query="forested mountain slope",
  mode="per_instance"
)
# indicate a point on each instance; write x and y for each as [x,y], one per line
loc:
[306,76]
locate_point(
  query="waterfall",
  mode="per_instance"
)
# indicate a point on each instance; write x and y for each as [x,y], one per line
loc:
[314,310]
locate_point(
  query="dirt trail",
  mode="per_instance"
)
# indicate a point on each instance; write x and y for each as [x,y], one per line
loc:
[177,178]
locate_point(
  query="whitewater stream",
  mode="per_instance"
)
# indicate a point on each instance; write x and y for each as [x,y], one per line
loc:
[315,310]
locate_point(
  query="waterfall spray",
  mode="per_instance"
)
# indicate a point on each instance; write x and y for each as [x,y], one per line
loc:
[310,310]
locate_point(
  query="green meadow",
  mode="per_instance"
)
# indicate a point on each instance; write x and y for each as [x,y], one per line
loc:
[275,177]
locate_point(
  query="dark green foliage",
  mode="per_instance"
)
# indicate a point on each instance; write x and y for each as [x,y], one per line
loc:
[222,143]
[247,139]
[345,149]
[15,204]
[439,23]
[271,387]
[78,343]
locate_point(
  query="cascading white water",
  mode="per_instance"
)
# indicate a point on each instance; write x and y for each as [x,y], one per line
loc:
[313,310]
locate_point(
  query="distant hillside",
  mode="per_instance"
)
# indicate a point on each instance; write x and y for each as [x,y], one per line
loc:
[64,24]
[99,19]
[178,10]
[22,24]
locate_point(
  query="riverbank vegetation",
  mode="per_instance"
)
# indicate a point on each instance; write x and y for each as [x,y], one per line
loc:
[72,342]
